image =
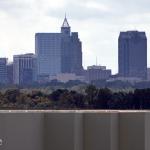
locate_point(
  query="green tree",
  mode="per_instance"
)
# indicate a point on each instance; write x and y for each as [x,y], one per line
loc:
[11,95]
[91,93]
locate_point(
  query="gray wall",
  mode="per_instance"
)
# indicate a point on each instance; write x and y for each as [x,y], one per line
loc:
[21,131]
[75,130]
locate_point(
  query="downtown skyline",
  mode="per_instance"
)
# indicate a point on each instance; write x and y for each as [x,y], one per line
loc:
[99,29]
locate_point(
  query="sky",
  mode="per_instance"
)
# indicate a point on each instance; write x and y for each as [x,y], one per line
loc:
[98,22]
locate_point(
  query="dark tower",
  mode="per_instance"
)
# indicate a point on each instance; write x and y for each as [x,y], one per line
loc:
[71,50]
[132,49]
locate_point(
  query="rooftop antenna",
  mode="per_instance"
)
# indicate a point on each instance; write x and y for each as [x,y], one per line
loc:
[96,61]
[65,15]
[135,27]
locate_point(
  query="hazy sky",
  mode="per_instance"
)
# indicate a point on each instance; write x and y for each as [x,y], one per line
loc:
[97,21]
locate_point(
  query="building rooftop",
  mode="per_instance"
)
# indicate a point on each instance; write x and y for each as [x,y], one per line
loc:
[96,67]
[132,34]
[24,55]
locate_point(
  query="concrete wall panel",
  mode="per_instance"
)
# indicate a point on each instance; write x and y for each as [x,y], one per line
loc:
[147,131]
[97,131]
[59,131]
[75,130]
[21,131]
[132,131]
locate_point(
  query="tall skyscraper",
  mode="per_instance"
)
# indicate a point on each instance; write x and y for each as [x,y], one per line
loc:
[58,52]
[48,53]
[132,58]
[24,68]
[3,70]
[71,50]
[10,73]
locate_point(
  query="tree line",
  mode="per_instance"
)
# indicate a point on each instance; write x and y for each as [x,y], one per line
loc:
[90,98]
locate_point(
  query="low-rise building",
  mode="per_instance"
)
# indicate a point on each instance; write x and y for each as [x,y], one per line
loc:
[97,73]
[65,77]
[125,79]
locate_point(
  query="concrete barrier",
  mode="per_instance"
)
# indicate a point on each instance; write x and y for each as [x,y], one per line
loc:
[21,131]
[75,130]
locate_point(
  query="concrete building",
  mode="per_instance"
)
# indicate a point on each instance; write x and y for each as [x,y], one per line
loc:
[125,79]
[3,70]
[75,130]
[65,77]
[58,52]
[132,54]
[24,68]
[97,73]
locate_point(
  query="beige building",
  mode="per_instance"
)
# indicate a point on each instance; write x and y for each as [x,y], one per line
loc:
[65,77]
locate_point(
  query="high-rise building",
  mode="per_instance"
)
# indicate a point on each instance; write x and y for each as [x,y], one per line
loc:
[24,68]
[10,73]
[58,52]
[3,70]
[48,53]
[71,49]
[132,58]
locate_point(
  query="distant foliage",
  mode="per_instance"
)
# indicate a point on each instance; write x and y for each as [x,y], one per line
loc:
[91,98]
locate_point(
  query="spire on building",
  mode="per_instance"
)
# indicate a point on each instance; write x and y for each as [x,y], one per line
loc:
[65,23]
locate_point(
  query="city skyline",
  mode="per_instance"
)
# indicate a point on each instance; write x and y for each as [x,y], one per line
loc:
[98,23]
